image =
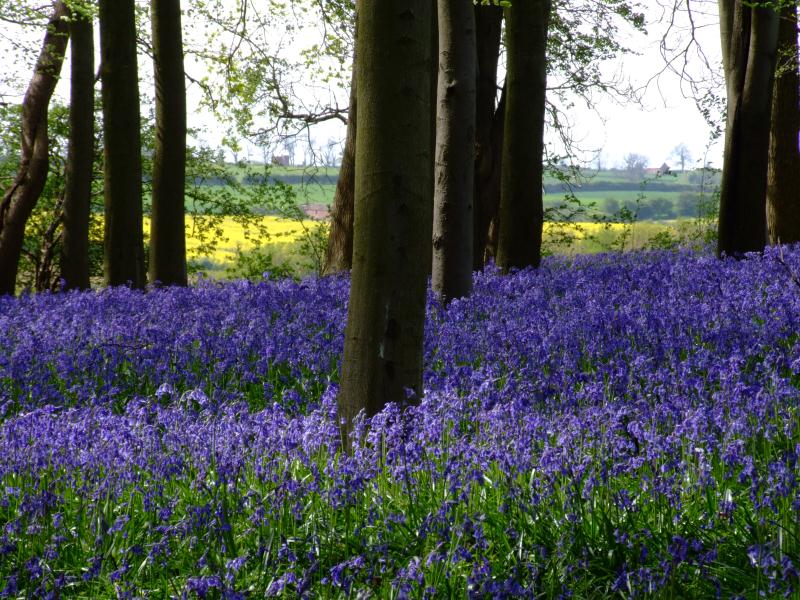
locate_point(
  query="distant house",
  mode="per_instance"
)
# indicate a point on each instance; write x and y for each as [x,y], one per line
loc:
[662,170]
[281,160]
[316,211]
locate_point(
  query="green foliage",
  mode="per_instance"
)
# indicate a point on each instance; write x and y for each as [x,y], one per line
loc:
[582,36]
[9,142]
[300,258]
[214,191]
[39,261]
[85,8]
[259,263]
[251,83]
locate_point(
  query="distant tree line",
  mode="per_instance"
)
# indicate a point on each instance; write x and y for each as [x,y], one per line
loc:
[658,208]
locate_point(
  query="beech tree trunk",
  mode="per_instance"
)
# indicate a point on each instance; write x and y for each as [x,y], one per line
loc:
[124,248]
[80,155]
[393,209]
[167,220]
[749,45]
[489,118]
[783,173]
[20,199]
[339,253]
[521,211]
[455,150]
[433,77]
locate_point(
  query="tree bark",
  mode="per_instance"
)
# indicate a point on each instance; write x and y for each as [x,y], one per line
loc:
[393,207]
[339,253]
[455,151]
[124,249]
[491,187]
[20,199]
[80,155]
[749,46]
[433,76]
[783,173]
[521,209]
[488,128]
[167,220]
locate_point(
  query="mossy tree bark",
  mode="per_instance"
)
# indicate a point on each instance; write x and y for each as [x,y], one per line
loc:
[393,208]
[123,242]
[749,38]
[80,154]
[783,173]
[453,225]
[521,211]
[19,200]
[167,224]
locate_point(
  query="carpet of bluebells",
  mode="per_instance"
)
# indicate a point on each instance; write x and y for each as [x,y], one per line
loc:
[608,426]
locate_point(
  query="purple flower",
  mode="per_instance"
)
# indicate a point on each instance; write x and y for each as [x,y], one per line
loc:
[202,585]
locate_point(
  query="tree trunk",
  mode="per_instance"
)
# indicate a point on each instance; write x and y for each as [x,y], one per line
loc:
[80,155]
[20,199]
[490,188]
[783,174]
[339,253]
[521,211]
[124,249]
[393,208]
[434,107]
[749,45]
[455,150]
[488,128]
[167,221]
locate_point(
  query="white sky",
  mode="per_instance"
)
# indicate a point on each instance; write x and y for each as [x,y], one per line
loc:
[665,119]
[667,115]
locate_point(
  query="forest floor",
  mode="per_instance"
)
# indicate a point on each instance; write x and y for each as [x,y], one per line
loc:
[613,425]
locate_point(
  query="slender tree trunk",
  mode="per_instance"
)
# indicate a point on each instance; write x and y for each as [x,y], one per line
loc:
[749,45]
[80,155]
[783,174]
[393,208]
[167,220]
[488,128]
[490,187]
[124,249]
[51,238]
[20,199]
[455,150]
[521,209]
[433,75]
[339,253]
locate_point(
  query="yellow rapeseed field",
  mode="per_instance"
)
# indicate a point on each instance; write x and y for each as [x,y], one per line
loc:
[582,230]
[570,238]
[234,235]
[285,232]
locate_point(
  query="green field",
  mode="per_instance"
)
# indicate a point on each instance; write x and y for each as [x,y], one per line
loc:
[619,176]
[309,171]
[608,193]
[315,193]
[648,206]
